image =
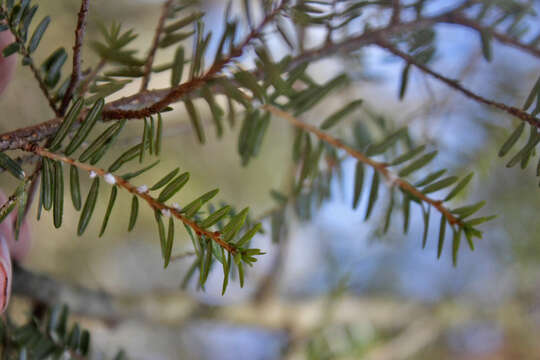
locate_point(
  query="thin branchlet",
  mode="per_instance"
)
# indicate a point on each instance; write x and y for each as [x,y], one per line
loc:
[382,168]
[135,190]
[155,43]
[396,12]
[80,31]
[33,69]
[196,83]
[457,18]
[454,84]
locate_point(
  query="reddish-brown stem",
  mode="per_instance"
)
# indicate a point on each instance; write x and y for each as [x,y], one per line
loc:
[33,69]
[80,30]
[459,19]
[523,115]
[396,12]
[44,89]
[121,182]
[382,168]
[155,43]
[180,91]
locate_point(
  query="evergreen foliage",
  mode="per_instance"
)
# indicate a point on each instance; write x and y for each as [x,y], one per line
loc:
[274,90]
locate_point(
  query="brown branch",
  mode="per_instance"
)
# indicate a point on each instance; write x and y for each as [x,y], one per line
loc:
[396,12]
[43,88]
[80,30]
[119,181]
[155,43]
[114,307]
[51,292]
[17,139]
[382,168]
[143,101]
[129,107]
[518,113]
[158,99]
[21,137]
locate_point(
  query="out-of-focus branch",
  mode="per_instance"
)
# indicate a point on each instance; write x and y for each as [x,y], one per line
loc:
[145,306]
[51,291]
[414,328]
[419,334]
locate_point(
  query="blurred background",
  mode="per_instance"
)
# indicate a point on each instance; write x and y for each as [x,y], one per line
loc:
[334,287]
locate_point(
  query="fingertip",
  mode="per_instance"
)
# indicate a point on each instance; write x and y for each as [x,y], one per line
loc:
[19,248]
[5,274]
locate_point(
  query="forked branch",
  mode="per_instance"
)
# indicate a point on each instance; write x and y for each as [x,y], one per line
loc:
[147,103]
[176,93]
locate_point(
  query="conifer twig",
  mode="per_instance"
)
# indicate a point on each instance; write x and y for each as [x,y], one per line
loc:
[80,31]
[382,168]
[121,182]
[518,113]
[155,43]
[195,83]
[44,89]
[33,69]
[459,19]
